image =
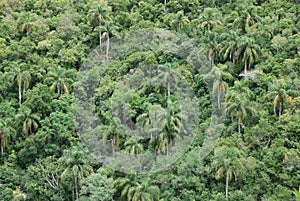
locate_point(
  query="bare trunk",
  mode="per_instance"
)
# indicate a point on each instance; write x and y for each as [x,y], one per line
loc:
[107,47]
[20,93]
[113,143]
[227,181]
[245,68]
[100,37]
[76,189]
[169,85]
[2,143]
[239,127]
[178,26]
[280,108]
[58,88]
[168,149]
[219,96]
[169,146]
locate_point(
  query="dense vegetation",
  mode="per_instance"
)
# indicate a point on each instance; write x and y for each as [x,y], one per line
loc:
[253,51]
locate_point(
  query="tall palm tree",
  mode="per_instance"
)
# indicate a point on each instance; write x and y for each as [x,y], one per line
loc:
[180,20]
[134,146]
[113,134]
[209,18]
[212,40]
[108,28]
[239,108]
[218,74]
[227,162]
[76,161]
[21,77]
[29,120]
[25,22]
[278,93]
[240,87]
[248,17]
[247,52]
[151,122]
[229,45]
[136,189]
[168,76]
[96,16]
[173,126]
[5,134]
[60,79]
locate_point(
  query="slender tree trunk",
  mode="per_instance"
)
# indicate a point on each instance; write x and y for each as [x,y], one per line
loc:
[2,143]
[107,47]
[169,85]
[113,143]
[245,68]
[24,88]
[280,108]
[76,188]
[169,146]
[239,127]
[168,149]
[227,181]
[219,95]
[100,37]
[20,93]
[58,88]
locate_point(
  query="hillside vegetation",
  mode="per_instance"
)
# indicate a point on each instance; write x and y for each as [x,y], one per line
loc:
[250,49]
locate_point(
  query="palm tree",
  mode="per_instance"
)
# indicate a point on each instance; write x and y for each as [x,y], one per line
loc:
[76,161]
[227,162]
[213,45]
[278,93]
[247,52]
[22,77]
[239,107]
[173,125]
[29,120]
[108,29]
[248,17]
[133,146]
[25,22]
[180,20]
[152,120]
[229,46]
[210,18]
[168,76]
[59,79]
[96,16]
[218,74]
[240,87]
[136,189]
[112,133]
[5,134]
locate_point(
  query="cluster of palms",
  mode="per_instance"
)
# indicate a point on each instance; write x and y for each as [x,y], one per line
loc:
[103,24]
[18,75]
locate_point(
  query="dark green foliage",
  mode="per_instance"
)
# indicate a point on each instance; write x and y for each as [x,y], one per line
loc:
[252,52]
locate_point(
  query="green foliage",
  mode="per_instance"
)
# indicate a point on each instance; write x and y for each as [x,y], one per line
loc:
[252,48]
